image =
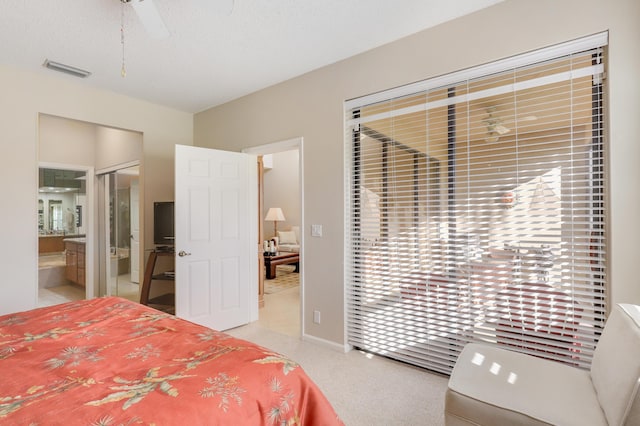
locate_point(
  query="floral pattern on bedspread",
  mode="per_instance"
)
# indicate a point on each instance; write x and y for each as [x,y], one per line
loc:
[109,361]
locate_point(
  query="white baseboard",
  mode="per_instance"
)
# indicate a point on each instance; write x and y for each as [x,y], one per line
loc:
[326,343]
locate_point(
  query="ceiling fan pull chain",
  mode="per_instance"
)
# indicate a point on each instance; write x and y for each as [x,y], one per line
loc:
[123,71]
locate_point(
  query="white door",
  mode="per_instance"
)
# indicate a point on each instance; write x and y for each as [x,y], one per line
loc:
[134,219]
[216,234]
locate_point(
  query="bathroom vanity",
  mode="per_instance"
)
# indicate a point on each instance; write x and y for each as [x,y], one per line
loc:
[75,260]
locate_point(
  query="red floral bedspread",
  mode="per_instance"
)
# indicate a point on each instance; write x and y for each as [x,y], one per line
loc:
[109,361]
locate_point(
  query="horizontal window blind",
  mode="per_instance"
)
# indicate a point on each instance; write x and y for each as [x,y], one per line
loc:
[476,211]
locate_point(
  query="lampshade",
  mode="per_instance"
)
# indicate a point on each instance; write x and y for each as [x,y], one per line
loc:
[275,213]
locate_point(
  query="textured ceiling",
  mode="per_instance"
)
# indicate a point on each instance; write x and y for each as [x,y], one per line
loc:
[210,56]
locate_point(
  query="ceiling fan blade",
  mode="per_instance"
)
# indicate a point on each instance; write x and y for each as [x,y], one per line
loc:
[150,18]
[224,7]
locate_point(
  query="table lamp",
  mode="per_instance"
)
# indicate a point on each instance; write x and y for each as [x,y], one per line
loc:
[275,214]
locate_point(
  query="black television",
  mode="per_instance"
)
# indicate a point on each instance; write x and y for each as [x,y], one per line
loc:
[163,223]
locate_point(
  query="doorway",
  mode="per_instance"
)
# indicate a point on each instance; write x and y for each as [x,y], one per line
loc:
[282,162]
[62,224]
[66,145]
[119,245]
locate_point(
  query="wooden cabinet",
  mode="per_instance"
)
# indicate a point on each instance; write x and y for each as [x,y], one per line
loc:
[71,271]
[50,244]
[81,264]
[75,261]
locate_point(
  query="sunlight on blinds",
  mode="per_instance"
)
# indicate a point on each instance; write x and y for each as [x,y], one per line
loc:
[476,213]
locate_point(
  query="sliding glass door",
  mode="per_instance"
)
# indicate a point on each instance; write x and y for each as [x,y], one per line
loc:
[119,245]
[476,212]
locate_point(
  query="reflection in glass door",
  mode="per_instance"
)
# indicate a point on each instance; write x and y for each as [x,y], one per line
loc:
[119,246]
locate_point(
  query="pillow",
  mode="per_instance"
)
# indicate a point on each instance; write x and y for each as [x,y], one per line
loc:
[287,237]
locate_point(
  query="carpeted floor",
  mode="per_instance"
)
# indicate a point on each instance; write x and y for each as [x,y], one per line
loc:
[285,279]
[364,389]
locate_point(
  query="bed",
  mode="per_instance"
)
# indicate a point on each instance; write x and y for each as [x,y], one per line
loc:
[109,361]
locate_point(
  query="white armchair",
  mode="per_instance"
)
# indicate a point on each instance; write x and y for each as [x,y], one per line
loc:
[494,386]
[289,241]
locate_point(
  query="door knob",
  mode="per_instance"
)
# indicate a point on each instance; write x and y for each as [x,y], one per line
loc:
[183,253]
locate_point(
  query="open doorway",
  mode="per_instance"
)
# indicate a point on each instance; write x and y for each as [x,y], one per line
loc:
[281,186]
[62,225]
[119,244]
[75,151]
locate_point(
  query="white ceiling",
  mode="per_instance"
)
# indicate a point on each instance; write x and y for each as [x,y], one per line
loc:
[210,56]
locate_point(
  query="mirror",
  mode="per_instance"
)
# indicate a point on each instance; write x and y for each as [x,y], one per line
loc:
[56,221]
[40,215]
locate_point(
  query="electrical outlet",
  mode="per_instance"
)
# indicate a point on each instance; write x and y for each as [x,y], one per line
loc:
[316,230]
[316,317]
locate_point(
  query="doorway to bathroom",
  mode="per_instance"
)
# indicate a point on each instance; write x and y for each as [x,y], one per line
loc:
[62,227]
[108,248]
[119,242]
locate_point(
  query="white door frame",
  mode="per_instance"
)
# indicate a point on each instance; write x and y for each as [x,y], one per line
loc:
[90,235]
[273,148]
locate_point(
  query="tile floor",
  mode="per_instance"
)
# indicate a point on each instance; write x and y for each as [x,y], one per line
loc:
[53,288]
[48,296]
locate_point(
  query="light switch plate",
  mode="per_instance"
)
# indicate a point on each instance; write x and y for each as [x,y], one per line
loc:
[316,230]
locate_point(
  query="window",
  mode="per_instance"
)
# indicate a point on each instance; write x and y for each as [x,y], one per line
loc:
[476,210]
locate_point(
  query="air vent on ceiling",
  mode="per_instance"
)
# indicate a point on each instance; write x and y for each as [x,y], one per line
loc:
[67,69]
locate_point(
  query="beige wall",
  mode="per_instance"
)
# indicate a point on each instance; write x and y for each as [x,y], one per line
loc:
[116,147]
[23,97]
[66,141]
[78,143]
[311,106]
[282,189]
